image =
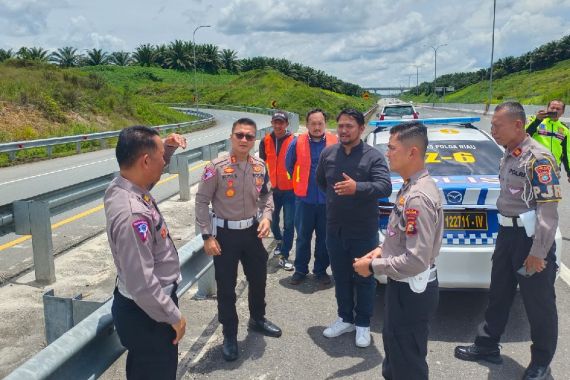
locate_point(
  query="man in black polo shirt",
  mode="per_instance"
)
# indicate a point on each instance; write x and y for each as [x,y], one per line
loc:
[353,175]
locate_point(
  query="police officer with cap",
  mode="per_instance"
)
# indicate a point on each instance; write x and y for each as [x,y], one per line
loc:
[525,249]
[407,256]
[238,187]
[145,307]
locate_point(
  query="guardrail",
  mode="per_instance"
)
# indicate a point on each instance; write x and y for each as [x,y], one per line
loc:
[32,216]
[13,147]
[92,346]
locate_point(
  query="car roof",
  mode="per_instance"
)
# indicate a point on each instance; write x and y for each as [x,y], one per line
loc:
[439,129]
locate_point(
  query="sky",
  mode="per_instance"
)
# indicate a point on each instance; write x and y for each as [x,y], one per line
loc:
[373,43]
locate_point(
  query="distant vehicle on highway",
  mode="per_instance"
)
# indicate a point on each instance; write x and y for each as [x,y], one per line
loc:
[397,111]
[464,161]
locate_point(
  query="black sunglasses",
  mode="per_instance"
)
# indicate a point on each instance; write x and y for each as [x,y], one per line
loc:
[241,135]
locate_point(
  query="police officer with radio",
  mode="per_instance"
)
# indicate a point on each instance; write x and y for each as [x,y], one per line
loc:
[407,256]
[525,249]
[238,187]
[145,306]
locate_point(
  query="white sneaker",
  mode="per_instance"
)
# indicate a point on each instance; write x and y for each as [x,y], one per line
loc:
[362,336]
[277,249]
[338,328]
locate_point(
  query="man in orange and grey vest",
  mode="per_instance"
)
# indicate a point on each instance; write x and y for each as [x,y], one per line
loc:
[310,204]
[273,149]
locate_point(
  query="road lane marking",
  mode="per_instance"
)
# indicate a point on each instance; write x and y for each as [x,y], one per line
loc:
[55,171]
[83,214]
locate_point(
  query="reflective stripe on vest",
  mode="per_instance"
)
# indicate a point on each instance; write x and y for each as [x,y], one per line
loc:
[278,175]
[551,134]
[302,168]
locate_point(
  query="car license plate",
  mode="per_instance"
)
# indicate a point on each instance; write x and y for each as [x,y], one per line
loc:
[465,220]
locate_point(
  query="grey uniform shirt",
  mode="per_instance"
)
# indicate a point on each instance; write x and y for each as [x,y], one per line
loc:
[415,229]
[237,190]
[529,178]
[143,252]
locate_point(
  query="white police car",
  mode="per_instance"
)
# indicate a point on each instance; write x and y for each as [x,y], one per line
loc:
[464,162]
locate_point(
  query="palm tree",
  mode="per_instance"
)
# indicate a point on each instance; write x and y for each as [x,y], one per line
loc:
[6,54]
[144,55]
[33,54]
[230,61]
[120,58]
[160,55]
[65,57]
[96,57]
[209,58]
[177,56]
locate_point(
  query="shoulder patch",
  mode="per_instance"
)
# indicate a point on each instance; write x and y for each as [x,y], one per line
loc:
[545,182]
[209,172]
[142,229]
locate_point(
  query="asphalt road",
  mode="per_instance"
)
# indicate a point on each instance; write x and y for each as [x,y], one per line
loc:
[73,227]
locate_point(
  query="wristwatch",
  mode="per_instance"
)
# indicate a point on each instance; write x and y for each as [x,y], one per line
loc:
[206,236]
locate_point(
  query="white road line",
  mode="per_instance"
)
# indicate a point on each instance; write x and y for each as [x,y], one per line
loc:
[56,171]
[565,273]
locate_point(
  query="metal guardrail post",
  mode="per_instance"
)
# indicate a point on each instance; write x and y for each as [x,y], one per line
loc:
[33,217]
[183,177]
[40,227]
[207,283]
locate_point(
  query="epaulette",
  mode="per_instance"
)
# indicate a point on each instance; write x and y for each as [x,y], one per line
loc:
[221,160]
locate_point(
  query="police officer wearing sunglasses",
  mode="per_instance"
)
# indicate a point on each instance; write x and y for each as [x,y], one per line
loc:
[238,187]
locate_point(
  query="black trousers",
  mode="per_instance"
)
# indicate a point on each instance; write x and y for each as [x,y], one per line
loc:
[151,354]
[537,291]
[244,246]
[406,330]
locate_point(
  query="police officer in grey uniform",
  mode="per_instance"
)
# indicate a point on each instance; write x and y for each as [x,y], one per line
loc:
[407,256]
[145,307]
[525,249]
[238,187]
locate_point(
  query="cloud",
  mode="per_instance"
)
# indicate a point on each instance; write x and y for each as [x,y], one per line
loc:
[293,16]
[26,17]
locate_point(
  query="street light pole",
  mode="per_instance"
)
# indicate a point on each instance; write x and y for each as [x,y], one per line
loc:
[417,79]
[194,53]
[435,49]
[492,53]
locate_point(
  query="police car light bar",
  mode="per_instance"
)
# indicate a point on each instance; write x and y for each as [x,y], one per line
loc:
[435,120]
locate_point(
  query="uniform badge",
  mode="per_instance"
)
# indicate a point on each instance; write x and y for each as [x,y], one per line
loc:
[230,183]
[544,173]
[257,168]
[411,228]
[233,159]
[146,198]
[561,130]
[517,152]
[401,201]
[209,172]
[412,213]
[142,229]
[258,181]
[164,232]
[230,192]
[229,170]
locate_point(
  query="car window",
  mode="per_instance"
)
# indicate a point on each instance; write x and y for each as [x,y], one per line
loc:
[398,110]
[450,157]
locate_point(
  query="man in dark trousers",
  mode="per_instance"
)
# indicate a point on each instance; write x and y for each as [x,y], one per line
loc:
[353,175]
[145,307]
[525,249]
[310,205]
[273,150]
[407,257]
[238,187]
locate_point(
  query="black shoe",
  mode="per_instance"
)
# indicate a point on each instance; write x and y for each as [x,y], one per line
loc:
[230,348]
[265,327]
[475,353]
[297,278]
[323,279]
[535,372]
